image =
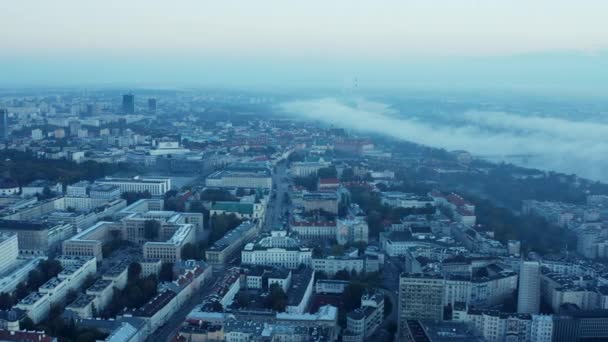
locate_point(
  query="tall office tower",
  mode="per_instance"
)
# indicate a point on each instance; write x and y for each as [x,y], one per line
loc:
[128,104]
[420,297]
[3,124]
[152,105]
[528,299]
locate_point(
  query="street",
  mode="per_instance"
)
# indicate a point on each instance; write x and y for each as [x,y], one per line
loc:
[170,329]
[274,213]
[277,206]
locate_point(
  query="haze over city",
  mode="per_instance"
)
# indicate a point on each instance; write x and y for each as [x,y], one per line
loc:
[312,171]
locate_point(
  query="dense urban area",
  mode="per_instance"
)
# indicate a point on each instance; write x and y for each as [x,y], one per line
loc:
[213,216]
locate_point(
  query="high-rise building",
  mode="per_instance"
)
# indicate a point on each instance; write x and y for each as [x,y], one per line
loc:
[420,297]
[3,124]
[528,299]
[152,105]
[128,104]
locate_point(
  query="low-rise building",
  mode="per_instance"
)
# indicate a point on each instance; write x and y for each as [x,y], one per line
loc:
[225,248]
[276,250]
[362,322]
[156,186]
[242,210]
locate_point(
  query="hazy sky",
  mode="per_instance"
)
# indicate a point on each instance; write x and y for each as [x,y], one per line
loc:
[75,41]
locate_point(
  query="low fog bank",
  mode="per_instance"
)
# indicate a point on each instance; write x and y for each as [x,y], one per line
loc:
[553,143]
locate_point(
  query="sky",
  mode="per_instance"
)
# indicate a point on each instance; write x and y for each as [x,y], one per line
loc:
[313,42]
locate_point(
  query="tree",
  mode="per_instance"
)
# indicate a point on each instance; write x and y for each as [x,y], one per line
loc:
[392,328]
[276,298]
[348,175]
[388,306]
[134,271]
[50,268]
[221,224]
[215,195]
[342,275]
[327,172]
[151,229]
[352,296]
[242,299]
[27,324]
[337,250]
[192,251]
[166,272]
[6,301]
[131,196]
[309,182]
[196,207]
[295,157]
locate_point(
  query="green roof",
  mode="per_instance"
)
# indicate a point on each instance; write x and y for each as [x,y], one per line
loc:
[234,207]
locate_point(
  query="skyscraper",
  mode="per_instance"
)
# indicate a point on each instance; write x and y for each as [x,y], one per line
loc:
[128,104]
[152,105]
[3,124]
[528,299]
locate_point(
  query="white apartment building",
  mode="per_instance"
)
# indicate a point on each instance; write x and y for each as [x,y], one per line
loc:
[9,251]
[542,328]
[170,250]
[240,179]
[528,299]
[36,305]
[495,326]
[420,297]
[103,291]
[331,265]
[75,270]
[493,290]
[89,241]
[364,321]
[276,250]
[304,169]
[311,230]
[154,185]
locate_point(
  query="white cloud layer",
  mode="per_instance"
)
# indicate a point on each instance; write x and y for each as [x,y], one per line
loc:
[555,144]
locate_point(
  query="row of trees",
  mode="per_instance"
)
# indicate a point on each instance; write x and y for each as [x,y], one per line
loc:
[377,212]
[534,232]
[24,167]
[132,196]
[137,292]
[221,224]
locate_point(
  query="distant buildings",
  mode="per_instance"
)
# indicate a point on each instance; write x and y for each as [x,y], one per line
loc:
[128,104]
[249,179]
[528,299]
[307,168]
[152,105]
[3,124]
[156,186]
